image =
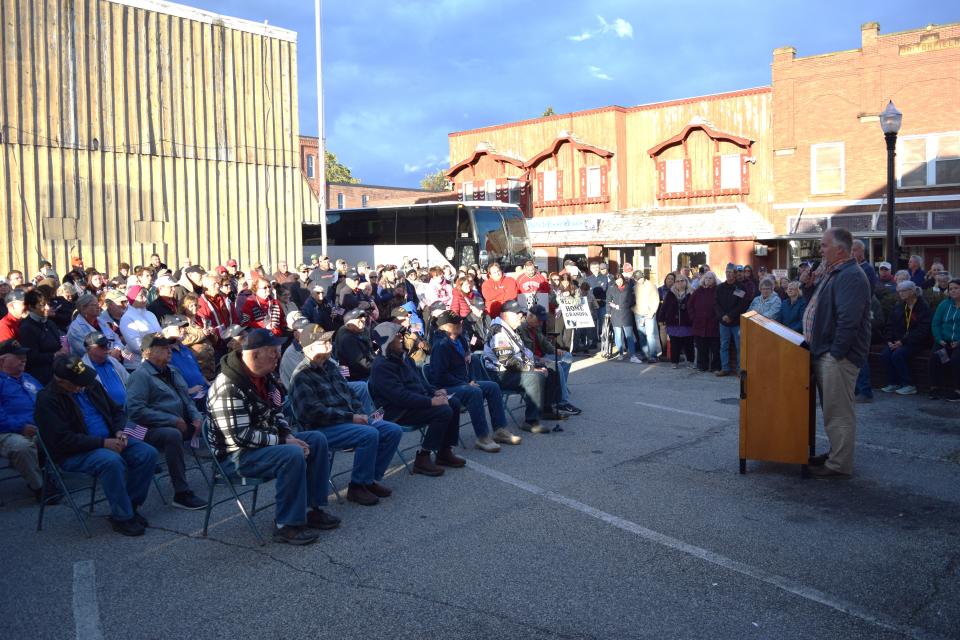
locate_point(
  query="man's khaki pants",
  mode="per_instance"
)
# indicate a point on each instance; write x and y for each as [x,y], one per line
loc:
[836,380]
[22,453]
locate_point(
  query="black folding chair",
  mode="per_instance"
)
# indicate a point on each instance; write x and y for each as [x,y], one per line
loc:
[225,472]
[79,482]
[425,370]
[480,373]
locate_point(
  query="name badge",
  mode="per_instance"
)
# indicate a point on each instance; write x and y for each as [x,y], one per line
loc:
[739,293]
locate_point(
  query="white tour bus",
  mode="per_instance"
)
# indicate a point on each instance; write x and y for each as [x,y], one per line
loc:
[442,233]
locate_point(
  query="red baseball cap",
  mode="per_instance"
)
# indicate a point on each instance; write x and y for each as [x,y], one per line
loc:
[231,262]
[221,270]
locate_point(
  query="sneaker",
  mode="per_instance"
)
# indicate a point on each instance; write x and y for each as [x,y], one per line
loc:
[379,490]
[535,427]
[953,396]
[186,500]
[130,527]
[722,373]
[487,444]
[907,390]
[294,535]
[636,360]
[566,407]
[676,366]
[361,495]
[503,436]
[890,388]
[447,458]
[320,519]
[424,465]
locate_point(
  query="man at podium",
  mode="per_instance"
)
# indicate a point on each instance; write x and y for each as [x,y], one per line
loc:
[836,325]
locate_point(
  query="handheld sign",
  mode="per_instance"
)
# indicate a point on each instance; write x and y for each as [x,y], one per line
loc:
[527,300]
[576,314]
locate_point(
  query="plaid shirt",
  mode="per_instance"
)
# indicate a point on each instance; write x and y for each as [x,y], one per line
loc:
[320,396]
[811,310]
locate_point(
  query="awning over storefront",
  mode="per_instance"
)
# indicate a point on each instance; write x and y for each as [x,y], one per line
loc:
[659,225]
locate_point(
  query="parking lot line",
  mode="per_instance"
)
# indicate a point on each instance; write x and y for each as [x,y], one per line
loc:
[86,611]
[781,582]
[684,411]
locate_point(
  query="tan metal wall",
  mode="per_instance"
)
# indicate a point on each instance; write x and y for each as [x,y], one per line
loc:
[127,130]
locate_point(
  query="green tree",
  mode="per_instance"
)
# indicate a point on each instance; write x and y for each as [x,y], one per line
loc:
[337,172]
[548,112]
[436,181]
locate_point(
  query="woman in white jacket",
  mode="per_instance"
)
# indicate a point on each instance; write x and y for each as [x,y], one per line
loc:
[137,321]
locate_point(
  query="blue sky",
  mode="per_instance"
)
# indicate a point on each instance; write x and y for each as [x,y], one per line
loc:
[400,75]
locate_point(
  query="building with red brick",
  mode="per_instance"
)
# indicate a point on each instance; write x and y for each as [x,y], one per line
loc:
[745,176]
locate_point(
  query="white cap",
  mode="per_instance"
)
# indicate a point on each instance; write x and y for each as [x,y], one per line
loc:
[884,265]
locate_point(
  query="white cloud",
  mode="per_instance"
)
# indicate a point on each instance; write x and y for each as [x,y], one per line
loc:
[598,73]
[619,27]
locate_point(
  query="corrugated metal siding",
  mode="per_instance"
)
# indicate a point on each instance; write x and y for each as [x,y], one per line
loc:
[127,131]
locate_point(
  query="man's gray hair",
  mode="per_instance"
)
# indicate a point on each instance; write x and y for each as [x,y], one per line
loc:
[842,238]
[907,285]
[859,244]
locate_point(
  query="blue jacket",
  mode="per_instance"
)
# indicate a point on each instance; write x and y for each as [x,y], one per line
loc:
[18,397]
[448,366]
[397,386]
[791,313]
[186,363]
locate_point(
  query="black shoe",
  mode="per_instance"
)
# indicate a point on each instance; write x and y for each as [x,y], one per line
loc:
[320,519]
[569,408]
[818,461]
[361,495]
[140,519]
[186,500]
[826,473]
[294,535]
[935,393]
[130,527]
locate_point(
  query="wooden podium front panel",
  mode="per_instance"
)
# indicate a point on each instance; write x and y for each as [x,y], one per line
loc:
[775,392]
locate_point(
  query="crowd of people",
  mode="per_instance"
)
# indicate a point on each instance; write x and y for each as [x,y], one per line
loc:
[114,373]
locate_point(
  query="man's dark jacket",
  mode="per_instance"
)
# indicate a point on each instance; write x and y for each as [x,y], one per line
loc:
[729,304]
[355,351]
[397,386]
[841,321]
[448,368]
[61,423]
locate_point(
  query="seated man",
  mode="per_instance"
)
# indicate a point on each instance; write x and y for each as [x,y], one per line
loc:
[351,345]
[514,367]
[158,399]
[397,385]
[450,370]
[110,373]
[908,333]
[18,396]
[83,431]
[182,358]
[531,332]
[248,430]
[323,402]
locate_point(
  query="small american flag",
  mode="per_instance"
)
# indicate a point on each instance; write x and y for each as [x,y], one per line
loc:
[275,397]
[135,431]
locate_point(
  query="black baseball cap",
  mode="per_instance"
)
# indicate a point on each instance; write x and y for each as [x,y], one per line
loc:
[72,369]
[95,338]
[155,340]
[511,306]
[538,311]
[314,333]
[13,347]
[448,317]
[353,314]
[17,295]
[261,338]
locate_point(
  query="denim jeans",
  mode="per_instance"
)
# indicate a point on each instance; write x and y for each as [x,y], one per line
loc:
[362,393]
[647,328]
[443,424]
[863,381]
[563,371]
[898,364]
[533,385]
[300,480]
[601,314]
[726,333]
[125,476]
[618,334]
[374,447]
[472,398]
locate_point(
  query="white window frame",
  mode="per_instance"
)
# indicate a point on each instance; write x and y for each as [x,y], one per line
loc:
[814,186]
[490,189]
[340,200]
[514,189]
[550,185]
[468,191]
[594,182]
[932,144]
[672,169]
[364,200]
[734,181]
[310,166]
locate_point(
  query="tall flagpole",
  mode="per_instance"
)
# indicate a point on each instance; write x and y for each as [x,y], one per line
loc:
[321,145]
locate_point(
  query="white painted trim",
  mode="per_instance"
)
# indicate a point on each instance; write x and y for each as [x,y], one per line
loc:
[208,17]
[828,204]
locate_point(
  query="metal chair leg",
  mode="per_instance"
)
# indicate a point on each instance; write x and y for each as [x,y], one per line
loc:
[93,493]
[253,507]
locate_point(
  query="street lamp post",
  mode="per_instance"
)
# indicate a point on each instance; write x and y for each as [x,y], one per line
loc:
[321,145]
[890,121]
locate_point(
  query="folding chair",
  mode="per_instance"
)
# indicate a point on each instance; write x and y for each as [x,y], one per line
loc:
[400,451]
[425,370]
[60,477]
[226,473]
[336,491]
[480,373]
[162,471]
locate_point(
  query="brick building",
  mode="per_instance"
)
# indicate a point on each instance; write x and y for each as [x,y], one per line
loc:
[746,176]
[347,195]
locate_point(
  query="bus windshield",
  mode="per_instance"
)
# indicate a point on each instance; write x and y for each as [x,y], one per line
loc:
[501,236]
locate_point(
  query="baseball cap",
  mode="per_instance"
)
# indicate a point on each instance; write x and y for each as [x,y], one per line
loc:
[12,347]
[72,369]
[221,270]
[154,340]
[95,338]
[314,333]
[296,320]
[538,311]
[739,267]
[314,256]
[352,275]
[231,262]
[511,306]
[885,265]
[174,320]
[448,317]
[16,295]
[195,268]
[261,338]
[116,296]
[133,292]
[165,281]
[353,314]
[319,288]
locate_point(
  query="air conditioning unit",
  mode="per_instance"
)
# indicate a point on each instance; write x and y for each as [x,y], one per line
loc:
[760,249]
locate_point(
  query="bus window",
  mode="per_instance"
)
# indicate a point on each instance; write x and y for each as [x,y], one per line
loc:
[491,237]
[364,227]
[520,248]
[411,227]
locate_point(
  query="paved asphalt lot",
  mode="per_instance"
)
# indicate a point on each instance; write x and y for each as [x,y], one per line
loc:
[631,523]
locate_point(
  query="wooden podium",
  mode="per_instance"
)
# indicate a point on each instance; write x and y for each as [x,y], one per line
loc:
[777,411]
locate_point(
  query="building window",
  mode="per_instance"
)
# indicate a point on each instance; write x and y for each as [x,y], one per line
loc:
[515,189]
[339,201]
[364,199]
[593,182]
[550,185]
[826,168]
[310,169]
[730,171]
[467,191]
[674,180]
[929,160]
[491,190]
